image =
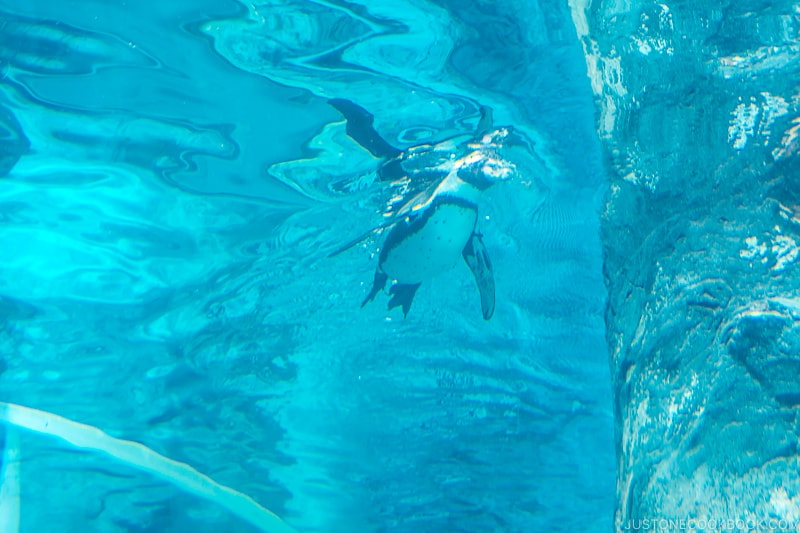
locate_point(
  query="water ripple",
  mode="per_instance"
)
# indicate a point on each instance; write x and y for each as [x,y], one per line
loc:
[50,47]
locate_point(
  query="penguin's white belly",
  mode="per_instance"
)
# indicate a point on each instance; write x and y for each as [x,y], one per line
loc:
[434,248]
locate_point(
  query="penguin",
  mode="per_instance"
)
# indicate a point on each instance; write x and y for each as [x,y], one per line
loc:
[433,223]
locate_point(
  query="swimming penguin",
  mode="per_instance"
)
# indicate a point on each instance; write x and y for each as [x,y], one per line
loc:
[433,222]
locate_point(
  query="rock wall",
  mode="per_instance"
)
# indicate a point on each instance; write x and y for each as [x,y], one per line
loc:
[698,113]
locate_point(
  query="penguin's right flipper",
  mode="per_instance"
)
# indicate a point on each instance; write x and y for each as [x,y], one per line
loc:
[361,130]
[378,283]
[402,295]
[478,261]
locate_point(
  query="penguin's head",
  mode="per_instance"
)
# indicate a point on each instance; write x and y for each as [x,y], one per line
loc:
[484,165]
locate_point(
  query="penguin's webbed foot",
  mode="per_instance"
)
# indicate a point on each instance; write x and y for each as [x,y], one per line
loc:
[378,283]
[402,295]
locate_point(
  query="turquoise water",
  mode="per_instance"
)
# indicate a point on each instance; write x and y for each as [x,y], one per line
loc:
[174,181]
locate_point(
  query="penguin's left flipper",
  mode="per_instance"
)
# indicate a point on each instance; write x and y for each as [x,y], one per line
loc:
[361,238]
[402,295]
[481,266]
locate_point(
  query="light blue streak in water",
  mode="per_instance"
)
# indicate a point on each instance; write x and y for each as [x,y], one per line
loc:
[165,230]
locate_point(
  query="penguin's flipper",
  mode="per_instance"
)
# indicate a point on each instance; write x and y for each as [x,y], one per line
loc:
[361,238]
[478,261]
[402,295]
[361,130]
[486,123]
[378,283]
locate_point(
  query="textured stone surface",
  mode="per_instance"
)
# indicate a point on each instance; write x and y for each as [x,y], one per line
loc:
[698,113]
